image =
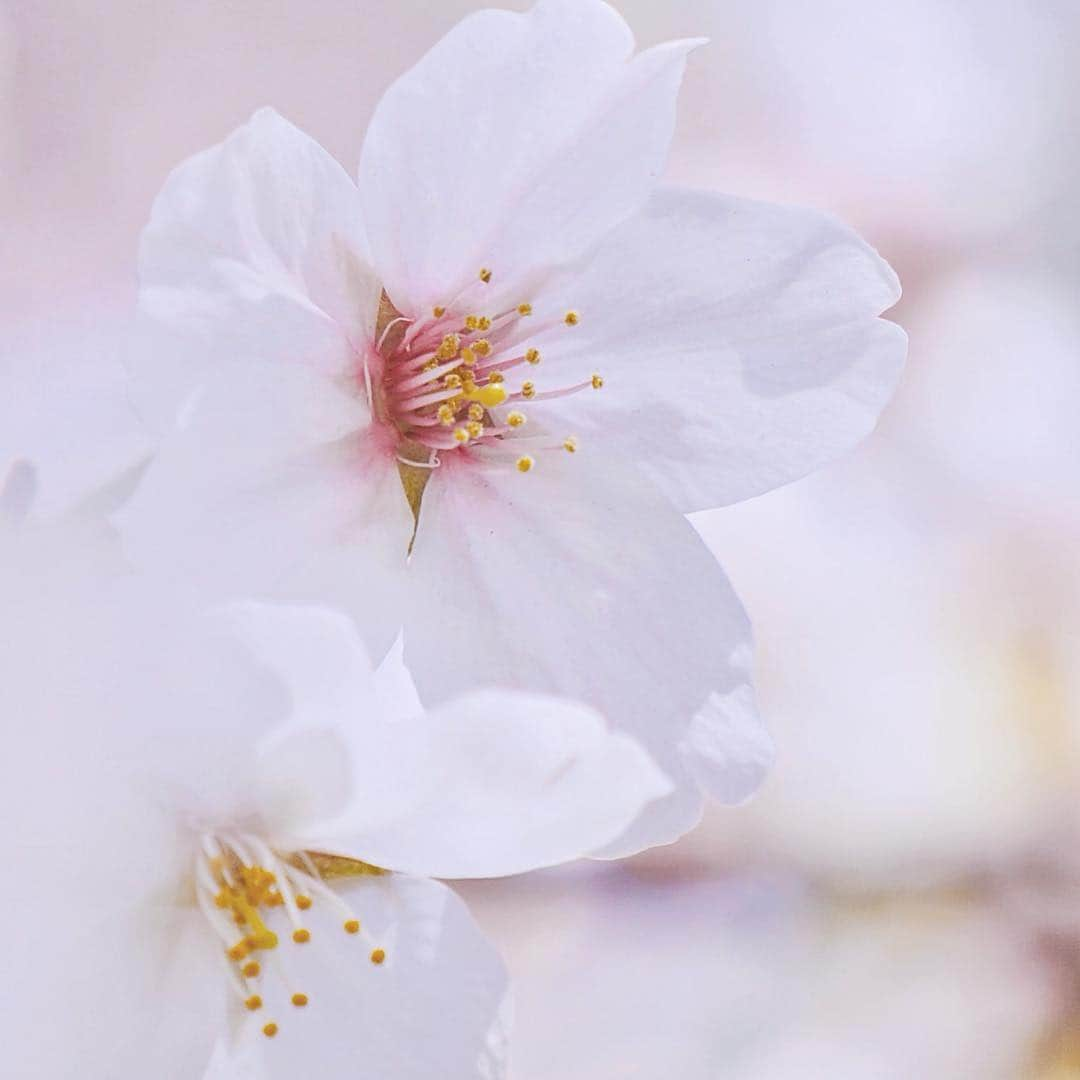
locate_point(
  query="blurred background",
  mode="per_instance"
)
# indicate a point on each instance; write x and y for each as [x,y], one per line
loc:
[903,899]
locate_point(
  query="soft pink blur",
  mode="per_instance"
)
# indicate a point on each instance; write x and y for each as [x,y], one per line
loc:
[897,902]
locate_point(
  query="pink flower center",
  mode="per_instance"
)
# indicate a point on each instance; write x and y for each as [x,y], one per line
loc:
[457,379]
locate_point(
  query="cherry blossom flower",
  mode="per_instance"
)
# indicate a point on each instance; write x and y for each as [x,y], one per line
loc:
[481,387]
[224,836]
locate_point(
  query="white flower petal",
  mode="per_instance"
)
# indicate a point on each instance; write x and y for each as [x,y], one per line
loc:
[255,251]
[730,750]
[739,343]
[493,783]
[274,488]
[514,144]
[434,1008]
[581,580]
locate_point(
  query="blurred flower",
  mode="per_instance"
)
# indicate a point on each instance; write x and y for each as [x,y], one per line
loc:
[755,975]
[198,814]
[350,372]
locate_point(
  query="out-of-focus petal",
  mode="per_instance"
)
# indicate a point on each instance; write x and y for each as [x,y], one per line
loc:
[645,626]
[739,342]
[513,145]
[65,410]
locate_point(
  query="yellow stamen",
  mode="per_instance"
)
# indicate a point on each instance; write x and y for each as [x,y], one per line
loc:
[570,444]
[571,318]
[597,382]
[524,463]
[524,309]
[301,936]
[475,429]
[303,902]
[496,377]
[438,311]
[251,970]
[482,347]
[352,926]
[445,415]
[299,1000]
[532,356]
[476,411]
[461,435]
[378,956]
[528,389]
[483,323]
[468,357]
[472,322]
[515,419]
[270,1030]
[452,380]
[485,275]
[254,1002]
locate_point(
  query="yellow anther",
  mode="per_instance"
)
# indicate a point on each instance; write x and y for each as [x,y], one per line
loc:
[378,956]
[482,347]
[496,377]
[445,415]
[468,357]
[571,318]
[570,444]
[528,389]
[299,1000]
[270,1030]
[475,429]
[483,323]
[430,365]
[239,951]
[472,322]
[524,309]
[300,936]
[452,380]
[352,926]
[254,1002]
[251,970]
[597,382]
[461,435]
[485,275]
[524,463]
[476,411]
[438,311]
[448,347]
[515,419]
[221,900]
[303,902]
[532,356]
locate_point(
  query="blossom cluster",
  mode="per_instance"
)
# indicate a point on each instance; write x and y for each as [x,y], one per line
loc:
[370,565]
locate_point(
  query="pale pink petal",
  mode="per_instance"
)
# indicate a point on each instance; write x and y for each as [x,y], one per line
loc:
[578,579]
[739,344]
[513,145]
[274,487]
[255,251]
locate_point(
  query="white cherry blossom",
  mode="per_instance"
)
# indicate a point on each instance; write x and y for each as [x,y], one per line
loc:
[480,387]
[224,839]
